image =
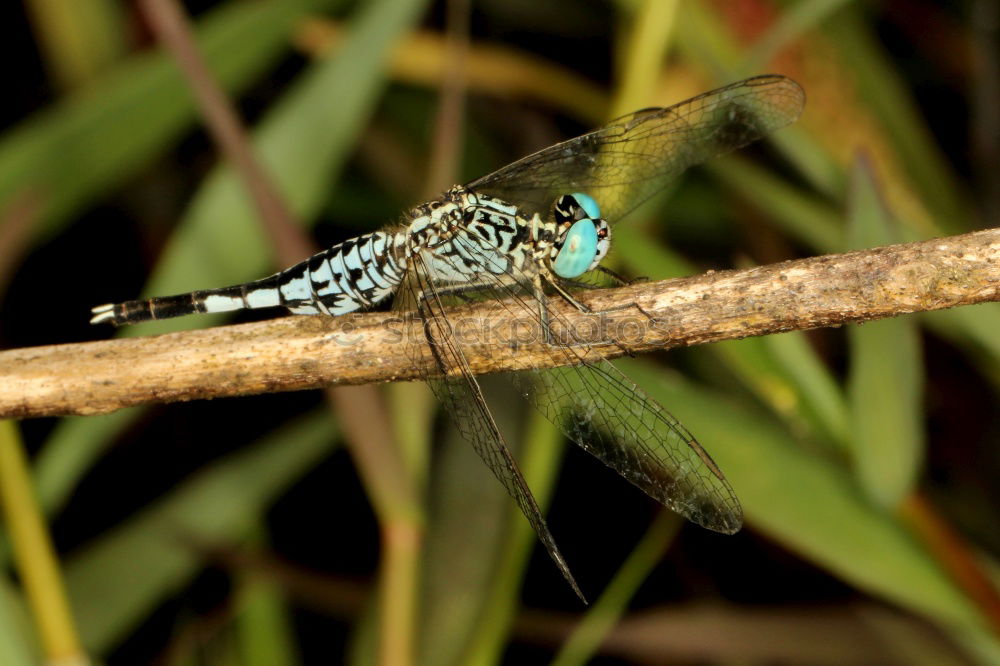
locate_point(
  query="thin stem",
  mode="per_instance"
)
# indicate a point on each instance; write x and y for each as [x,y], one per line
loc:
[173,29]
[36,559]
[645,49]
[608,610]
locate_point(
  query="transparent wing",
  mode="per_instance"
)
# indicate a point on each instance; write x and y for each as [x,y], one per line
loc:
[600,409]
[462,398]
[605,413]
[628,160]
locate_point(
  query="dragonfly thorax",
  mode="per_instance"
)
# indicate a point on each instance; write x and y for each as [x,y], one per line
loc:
[464,234]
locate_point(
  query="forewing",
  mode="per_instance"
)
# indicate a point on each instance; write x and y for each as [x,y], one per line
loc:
[628,160]
[462,398]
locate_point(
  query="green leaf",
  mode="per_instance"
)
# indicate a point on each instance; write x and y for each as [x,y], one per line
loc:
[478,543]
[886,94]
[542,452]
[79,39]
[98,137]
[17,644]
[646,257]
[785,373]
[264,629]
[819,395]
[117,580]
[602,616]
[885,387]
[468,527]
[811,505]
[803,216]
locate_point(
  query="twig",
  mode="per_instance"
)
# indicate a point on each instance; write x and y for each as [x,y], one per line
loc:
[173,29]
[293,353]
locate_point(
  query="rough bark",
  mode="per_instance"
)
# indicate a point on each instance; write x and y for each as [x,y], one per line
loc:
[291,353]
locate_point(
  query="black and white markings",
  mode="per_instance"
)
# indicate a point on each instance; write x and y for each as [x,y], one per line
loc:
[460,236]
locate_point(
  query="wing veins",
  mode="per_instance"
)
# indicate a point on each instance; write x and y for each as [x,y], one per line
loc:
[463,396]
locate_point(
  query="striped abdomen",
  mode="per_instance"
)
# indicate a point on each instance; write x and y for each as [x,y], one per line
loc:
[352,275]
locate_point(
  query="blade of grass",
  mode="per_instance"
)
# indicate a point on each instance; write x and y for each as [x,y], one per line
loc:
[79,39]
[264,627]
[17,645]
[887,96]
[703,40]
[542,450]
[651,27]
[469,524]
[818,390]
[778,380]
[885,387]
[118,579]
[812,506]
[585,640]
[802,215]
[479,542]
[645,256]
[35,557]
[263,622]
[94,140]
[799,18]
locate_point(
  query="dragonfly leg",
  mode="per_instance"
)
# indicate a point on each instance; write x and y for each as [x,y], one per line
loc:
[587,310]
[621,279]
[543,315]
[569,298]
[543,310]
[617,308]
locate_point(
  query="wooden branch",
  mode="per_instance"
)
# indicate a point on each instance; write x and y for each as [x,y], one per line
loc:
[291,353]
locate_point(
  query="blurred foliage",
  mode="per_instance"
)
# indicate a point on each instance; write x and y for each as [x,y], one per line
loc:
[846,449]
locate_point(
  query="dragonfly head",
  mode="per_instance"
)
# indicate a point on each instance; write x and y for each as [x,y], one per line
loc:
[583,237]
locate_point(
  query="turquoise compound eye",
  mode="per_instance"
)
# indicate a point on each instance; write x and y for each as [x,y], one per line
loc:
[578,249]
[588,204]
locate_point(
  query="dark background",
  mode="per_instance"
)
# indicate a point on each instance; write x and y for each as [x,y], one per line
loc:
[322,524]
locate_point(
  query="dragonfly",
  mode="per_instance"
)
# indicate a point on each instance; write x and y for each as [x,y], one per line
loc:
[518,238]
